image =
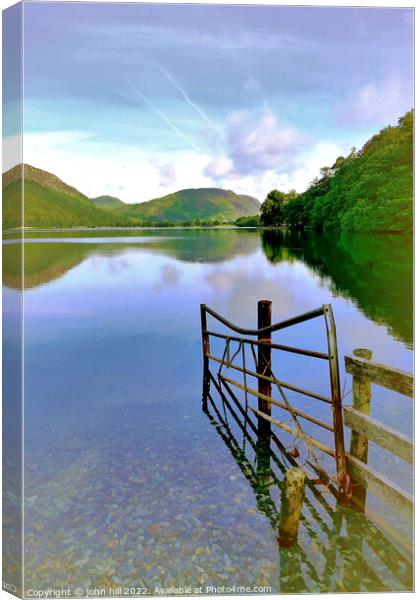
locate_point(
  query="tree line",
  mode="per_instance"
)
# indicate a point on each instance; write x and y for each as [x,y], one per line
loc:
[368,190]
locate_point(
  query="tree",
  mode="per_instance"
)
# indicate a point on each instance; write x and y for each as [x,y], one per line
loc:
[294,212]
[273,208]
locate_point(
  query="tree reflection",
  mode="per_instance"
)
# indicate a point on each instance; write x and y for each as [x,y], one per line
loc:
[374,270]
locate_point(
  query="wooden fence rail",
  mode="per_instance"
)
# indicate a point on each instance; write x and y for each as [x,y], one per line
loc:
[364,428]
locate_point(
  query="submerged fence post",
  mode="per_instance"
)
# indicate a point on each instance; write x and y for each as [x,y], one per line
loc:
[292,496]
[359,443]
[361,401]
[206,350]
[264,363]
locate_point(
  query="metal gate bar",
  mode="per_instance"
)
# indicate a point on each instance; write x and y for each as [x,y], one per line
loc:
[265,376]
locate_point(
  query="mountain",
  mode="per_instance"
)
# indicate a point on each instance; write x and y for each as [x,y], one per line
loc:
[202,204]
[49,202]
[108,202]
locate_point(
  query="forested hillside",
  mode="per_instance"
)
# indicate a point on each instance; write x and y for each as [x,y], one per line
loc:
[369,190]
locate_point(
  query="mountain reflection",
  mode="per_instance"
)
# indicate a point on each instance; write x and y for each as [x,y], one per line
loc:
[46,261]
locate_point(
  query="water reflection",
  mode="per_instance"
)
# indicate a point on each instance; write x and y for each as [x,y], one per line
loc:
[48,260]
[374,270]
[338,550]
[12,427]
[120,461]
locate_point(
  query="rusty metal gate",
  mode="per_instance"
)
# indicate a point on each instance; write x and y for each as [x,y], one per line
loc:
[261,346]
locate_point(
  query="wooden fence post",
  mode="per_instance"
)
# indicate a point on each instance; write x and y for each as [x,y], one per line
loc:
[292,496]
[264,363]
[361,402]
[359,443]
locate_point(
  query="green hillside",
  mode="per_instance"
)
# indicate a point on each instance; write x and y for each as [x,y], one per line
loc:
[49,202]
[201,204]
[369,190]
[108,202]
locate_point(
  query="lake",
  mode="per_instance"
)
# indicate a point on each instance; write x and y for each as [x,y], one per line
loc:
[129,479]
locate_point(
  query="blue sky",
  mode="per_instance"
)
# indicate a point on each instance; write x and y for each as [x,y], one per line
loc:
[140,100]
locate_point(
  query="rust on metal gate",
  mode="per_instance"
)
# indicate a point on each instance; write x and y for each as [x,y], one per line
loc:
[260,346]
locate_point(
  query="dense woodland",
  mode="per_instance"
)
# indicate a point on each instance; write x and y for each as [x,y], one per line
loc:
[368,190]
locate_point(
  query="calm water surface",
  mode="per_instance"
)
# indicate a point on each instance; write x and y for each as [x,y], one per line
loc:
[128,481]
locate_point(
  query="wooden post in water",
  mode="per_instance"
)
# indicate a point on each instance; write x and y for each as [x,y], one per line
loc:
[359,443]
[292,496]
[206,350]
[264,364]
[361,402]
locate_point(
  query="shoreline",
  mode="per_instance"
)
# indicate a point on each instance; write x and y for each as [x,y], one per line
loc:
[24,230]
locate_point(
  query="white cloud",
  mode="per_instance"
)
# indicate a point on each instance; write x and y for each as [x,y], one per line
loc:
[220,167]
[377,103]
[322,154]
[308,163]
[261,155]
[167,175]
[12,151]
[55,139]
[255,144]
